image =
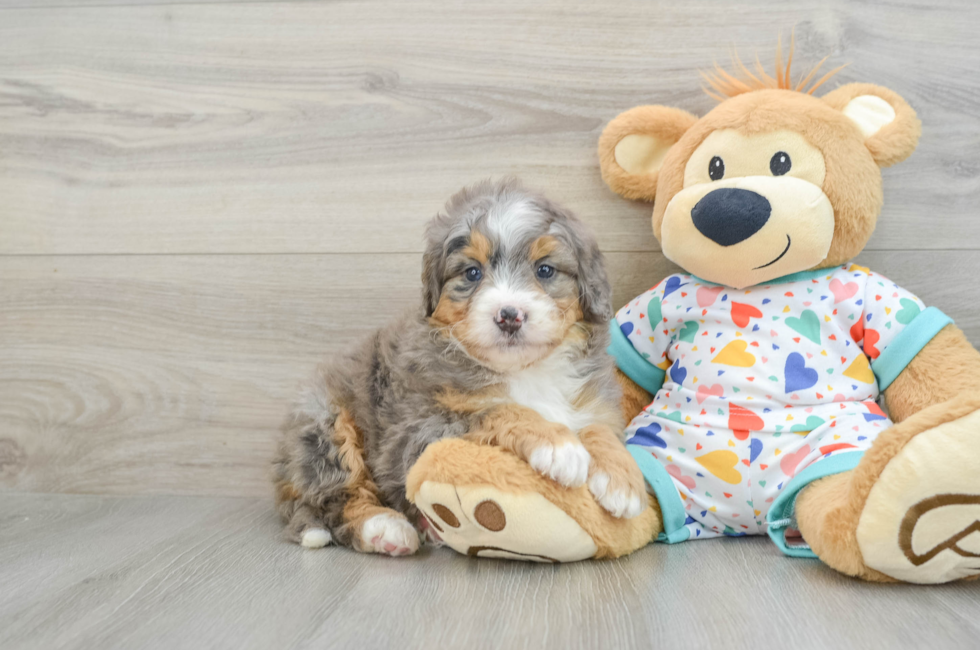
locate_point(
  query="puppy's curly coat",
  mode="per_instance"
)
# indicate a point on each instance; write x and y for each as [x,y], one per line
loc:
[508,347]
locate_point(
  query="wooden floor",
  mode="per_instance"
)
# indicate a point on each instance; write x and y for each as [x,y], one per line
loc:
[193,572]
[200,199]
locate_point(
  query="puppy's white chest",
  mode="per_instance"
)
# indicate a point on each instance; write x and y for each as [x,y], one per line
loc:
[550,389]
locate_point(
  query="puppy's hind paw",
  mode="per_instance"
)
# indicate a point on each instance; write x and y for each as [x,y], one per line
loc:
[389,534]
[566,463]
[315,538]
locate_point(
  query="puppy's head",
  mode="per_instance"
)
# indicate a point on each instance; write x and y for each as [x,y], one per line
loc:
[509,276]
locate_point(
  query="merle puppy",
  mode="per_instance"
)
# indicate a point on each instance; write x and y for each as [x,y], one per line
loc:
[508,348]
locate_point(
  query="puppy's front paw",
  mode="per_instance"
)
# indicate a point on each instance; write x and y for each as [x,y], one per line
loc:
[617,496]
[566,463]
[389,535]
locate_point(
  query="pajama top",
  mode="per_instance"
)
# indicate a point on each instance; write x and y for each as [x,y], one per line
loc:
[760,391]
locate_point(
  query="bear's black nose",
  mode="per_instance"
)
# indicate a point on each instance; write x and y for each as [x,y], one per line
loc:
[729,215]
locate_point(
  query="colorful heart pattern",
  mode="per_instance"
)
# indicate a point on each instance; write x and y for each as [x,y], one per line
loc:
[760,383]
[790,461]
[647,436]
[722,465]
[842,291]
[734,354]
[743,313]
[705,391]
[807,324]
[798,375]
[741,421]
[689,331]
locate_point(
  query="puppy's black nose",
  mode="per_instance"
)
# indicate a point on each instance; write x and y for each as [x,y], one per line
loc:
[509,319]
[729,215]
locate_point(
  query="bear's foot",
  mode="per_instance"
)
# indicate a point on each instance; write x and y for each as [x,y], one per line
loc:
[921,521]
[482,521]
[910,510]
[486,502]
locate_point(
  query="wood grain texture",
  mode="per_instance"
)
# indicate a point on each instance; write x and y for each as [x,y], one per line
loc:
[343,126]
[201,199]
[170,374]
[173,572]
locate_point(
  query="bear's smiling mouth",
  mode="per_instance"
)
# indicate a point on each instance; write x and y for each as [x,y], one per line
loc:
[789,243]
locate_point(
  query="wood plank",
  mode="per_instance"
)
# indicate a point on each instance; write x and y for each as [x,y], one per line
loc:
[172,572]
[342,127]
[96,4]
[170,374]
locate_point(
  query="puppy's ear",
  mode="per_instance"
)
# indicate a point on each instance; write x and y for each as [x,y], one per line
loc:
[890,126]
[594,292]
[633,146]
[433,263]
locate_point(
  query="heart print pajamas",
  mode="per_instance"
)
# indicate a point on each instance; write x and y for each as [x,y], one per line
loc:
[760,391]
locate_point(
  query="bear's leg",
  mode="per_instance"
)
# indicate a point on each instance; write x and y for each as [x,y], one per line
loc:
[484,501]
[910,510]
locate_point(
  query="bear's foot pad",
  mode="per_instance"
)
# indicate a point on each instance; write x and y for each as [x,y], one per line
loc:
[921,521]
[483,521]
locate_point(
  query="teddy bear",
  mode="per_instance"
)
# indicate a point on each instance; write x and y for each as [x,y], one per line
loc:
[751,380]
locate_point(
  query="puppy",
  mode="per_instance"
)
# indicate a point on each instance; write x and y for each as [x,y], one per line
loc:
[508,348]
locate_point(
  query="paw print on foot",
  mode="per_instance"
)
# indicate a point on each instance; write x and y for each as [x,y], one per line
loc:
[566,463]
[921,519]
[388,534]
[482,521]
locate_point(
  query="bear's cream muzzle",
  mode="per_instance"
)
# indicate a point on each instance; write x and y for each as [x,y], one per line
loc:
[743,231]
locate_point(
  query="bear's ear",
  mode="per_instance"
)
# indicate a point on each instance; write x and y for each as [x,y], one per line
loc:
[891,128]
[633,146]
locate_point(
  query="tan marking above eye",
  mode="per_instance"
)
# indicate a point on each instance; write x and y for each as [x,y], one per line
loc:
[750,155]
[542,247]
[479,248]
[446,515]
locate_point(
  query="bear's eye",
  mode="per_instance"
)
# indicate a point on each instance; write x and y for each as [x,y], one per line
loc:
[716,168]
[780,163]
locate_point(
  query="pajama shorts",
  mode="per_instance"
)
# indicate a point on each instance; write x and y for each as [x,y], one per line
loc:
[713,482]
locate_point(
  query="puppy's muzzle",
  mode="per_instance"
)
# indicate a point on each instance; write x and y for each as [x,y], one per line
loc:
[729,215]
[510,319]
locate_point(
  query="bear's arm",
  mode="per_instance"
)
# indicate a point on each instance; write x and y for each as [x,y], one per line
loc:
[634,397]
[947,367]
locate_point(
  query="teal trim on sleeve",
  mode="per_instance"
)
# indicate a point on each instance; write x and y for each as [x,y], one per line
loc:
[645,374]
[907,344]
[671,506]
[782,513]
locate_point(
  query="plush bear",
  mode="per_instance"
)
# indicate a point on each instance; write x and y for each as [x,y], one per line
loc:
[751,380]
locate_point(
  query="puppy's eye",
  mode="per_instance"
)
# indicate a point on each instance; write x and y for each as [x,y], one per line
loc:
[716,169]
[545,271]
[473,274]
[780,163]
